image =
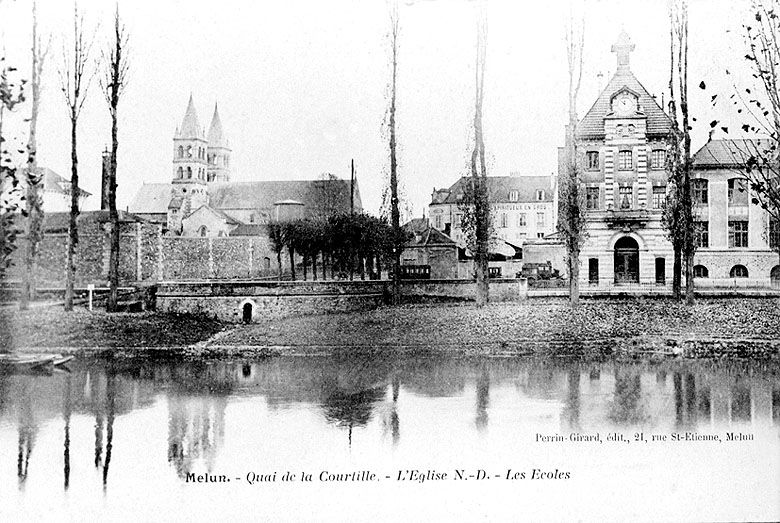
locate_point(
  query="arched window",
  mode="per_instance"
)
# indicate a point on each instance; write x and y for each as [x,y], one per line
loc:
[203,231]
[774,276]
[266,263]
[189,173]
[700,271]
[738,271]
[179,172]
[181,152]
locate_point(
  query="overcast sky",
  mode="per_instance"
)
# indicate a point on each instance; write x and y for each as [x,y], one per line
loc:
[302,86]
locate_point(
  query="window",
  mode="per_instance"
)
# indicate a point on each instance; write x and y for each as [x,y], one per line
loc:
[626,197]
[701,233]
[540,235]
[539,220]
[738,195]
[252,218]
[592,161]
[189,173]
[658,159]
[179,173]
[181,152]
[521,220]
[458,220]
[700,271]
[592,198]
[738,234]
[266,263]
[513,196]
[203,231]
[700,193]
[625,160]
[593,270]
[659,196]
[774,235]
[437,221]
[539,195]
[660,271]
[738,271]
[189,151]
[503,220]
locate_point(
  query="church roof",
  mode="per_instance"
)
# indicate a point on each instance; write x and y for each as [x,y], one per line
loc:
[499,188]
[216,136]
[190,128]
[592,124]
[153,198]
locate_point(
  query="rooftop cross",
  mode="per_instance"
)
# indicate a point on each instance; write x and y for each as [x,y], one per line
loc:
[622,48]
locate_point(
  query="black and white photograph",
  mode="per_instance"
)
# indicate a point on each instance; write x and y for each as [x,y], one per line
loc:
[390,260]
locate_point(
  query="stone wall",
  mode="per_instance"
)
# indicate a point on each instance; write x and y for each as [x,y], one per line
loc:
[269,299]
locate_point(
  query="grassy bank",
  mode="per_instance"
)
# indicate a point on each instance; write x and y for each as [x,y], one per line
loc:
[711,327]
[51,327]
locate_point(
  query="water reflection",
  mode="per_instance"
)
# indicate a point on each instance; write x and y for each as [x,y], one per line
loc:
[350,395]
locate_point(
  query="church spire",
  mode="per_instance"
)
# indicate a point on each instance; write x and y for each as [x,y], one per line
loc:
[190,128]
[216,137]
[622,48]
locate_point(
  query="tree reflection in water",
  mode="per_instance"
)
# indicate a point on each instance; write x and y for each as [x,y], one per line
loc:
[483,399]
[626,408]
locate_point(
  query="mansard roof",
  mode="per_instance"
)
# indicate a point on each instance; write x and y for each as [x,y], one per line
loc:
[499,188]
[190,127]
[592,124]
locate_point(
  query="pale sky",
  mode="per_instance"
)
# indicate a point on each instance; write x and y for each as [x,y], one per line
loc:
[302,86]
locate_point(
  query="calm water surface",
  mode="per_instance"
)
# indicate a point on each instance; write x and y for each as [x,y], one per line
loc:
[117,440]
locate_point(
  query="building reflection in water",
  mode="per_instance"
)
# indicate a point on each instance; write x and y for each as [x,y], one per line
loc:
[354,393]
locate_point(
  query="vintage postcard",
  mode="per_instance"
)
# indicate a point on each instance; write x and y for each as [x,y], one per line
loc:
[390,260]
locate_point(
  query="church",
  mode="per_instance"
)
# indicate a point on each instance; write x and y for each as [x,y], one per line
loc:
[201,199]
[622,143]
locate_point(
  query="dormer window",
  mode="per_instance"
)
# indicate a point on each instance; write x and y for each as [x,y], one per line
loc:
[513,196]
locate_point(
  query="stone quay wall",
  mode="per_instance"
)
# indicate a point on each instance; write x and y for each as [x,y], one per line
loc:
[251,300]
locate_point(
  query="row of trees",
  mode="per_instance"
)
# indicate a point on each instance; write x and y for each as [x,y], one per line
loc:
[76,71]
[345,244]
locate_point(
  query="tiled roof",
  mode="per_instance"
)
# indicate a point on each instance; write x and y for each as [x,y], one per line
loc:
[423,234]
[592,124]
[153,198]
[54,182]
[728,153]
[499,188]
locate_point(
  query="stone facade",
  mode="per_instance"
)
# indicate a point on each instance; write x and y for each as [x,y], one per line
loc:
[621,147]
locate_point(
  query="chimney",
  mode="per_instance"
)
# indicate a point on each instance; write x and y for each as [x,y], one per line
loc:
[105,180]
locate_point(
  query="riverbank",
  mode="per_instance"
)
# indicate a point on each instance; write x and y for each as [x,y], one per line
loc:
[711,328]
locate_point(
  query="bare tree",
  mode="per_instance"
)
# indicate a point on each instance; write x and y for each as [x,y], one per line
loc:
[479,189]
[395,214]
[33,197]
[678,214]
[113,85]
[571,214]
[75,77]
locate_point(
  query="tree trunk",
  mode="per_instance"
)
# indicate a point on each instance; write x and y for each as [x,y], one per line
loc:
[305,266]
[34,210]
[677,273]
[73,233]
[113,263]
[395,215]
[314,266]
[292,262]
[279,262]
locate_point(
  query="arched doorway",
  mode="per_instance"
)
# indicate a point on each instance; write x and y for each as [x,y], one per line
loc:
[246,311]
[626,260]
[774,276]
